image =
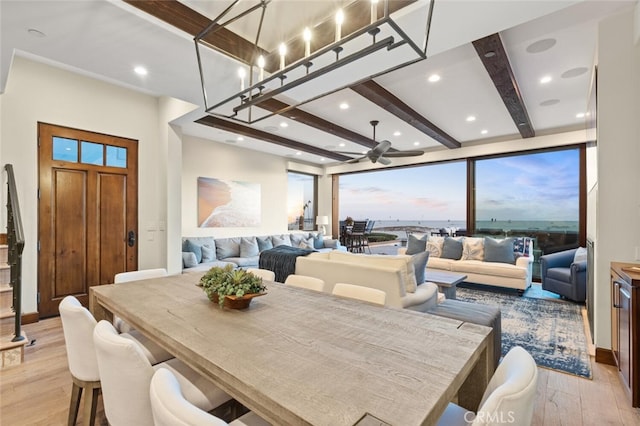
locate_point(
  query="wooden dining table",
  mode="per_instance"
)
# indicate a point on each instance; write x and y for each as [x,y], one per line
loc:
[298,357]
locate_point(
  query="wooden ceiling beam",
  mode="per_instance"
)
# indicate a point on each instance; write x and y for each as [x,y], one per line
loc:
[494,58]
[388,101]
[250,132]
[319,123]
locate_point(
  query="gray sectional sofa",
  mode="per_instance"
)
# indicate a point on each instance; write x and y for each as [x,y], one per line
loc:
[202,253]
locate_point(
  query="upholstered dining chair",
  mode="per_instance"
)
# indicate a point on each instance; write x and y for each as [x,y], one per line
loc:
[303,281]
[265,274]
[124,277]
[509,397]
[126,376]
[77,327]
[170,408]
[359,292]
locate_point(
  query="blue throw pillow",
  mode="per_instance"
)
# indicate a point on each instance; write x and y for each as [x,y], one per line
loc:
[451,249]
[264,243]
[318,241]
[189,259]
[416,245]
[249,247]
[193,248]
[419,261]
[499,250]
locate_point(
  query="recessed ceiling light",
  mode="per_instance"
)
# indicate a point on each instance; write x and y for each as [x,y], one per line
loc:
[580,115]
[344,105]
[322,159]
[433,78]
[140,70]
[341,144]
[284,124]
[416,143]
[364,152]
[36,33]
[546,79]
[490,54]
[471,118]
[397,133]
[298,153]
[484,131]
[239,138]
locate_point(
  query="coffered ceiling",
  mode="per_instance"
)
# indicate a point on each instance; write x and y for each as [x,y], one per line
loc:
[492,58]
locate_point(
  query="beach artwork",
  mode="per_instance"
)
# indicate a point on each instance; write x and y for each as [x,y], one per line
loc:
[227,203]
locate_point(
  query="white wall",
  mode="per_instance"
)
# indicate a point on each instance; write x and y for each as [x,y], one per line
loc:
[37,92]
[618,206]
[204,158]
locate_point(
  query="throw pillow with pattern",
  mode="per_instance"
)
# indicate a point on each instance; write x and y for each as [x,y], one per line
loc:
[473,248]
[434,246]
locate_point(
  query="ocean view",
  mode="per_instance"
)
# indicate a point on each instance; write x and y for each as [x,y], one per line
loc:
[400,227]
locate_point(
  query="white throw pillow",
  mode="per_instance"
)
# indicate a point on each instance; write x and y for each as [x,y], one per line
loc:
[473,248]
[580,255]
[434,246]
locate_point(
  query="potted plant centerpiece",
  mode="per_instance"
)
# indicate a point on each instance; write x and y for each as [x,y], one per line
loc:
[231,288]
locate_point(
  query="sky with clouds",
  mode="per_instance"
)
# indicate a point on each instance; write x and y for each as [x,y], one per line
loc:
[540,186]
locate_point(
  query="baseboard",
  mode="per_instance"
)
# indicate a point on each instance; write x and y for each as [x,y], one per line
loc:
[605,356]
[3,238]
[30,318]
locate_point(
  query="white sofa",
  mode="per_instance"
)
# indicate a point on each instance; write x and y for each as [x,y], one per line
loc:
[500,274]
[393,274]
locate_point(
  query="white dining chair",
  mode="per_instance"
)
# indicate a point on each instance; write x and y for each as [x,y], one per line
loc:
[359,292]
[170,408]
[77,327]
[265,274]
[126,376]
[124,277]
[303,281]
[509,397]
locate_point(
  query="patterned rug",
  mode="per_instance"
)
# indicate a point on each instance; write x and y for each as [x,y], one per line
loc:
[551,331]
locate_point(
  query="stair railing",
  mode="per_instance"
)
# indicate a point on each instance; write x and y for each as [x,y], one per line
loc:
[15,240]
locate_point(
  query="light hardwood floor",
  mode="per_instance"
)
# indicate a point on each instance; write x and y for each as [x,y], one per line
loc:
[38,391]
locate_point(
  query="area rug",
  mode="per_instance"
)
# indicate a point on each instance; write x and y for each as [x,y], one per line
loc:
[551,331]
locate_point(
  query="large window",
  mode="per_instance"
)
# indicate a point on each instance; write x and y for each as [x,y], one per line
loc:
[535,195]
[301,209]
[420,198]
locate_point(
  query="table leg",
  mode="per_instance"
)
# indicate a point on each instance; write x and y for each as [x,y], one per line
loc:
[472,390]
[98,311]
[448,291]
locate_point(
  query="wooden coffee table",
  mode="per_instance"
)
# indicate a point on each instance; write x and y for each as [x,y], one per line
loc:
[445,280]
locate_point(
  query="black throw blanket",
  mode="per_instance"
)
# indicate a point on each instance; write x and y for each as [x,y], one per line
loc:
[282,260]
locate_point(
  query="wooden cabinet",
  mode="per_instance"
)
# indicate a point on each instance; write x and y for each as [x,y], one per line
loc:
[625,326]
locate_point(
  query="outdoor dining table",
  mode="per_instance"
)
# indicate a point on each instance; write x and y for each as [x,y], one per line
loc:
[308,358]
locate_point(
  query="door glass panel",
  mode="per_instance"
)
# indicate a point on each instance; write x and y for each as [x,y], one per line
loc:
[92,153]
[116,156]
[65,149]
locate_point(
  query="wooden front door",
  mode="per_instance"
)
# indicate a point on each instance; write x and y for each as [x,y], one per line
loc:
[87,212]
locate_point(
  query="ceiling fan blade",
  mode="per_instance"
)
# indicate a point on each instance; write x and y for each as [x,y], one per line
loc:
[384,161]
[404,154]
[351,153]
[381,148]
[355,160]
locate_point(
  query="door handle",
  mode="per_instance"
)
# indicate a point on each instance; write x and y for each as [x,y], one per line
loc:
[131,238]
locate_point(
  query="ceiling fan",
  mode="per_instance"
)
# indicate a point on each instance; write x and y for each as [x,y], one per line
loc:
[380,153]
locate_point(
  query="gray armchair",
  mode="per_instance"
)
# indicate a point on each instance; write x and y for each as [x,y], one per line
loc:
[561,275]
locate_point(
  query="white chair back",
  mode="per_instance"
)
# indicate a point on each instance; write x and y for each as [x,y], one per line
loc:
[265,274]
[303,281]
[511,391]
[126,375]
[77,326]
[143,274]
[169,406]
[359,292]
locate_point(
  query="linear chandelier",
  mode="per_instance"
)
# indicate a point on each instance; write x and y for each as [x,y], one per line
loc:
[282,78]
